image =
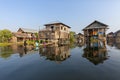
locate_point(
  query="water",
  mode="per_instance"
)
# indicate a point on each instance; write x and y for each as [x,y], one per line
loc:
[59,63]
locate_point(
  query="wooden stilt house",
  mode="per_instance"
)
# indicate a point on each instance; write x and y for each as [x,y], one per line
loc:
[95,34]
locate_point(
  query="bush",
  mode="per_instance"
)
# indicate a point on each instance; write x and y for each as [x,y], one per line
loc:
[41,41]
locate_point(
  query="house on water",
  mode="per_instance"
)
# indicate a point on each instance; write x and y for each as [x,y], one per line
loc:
[117,36]
[24,34]
[56,32]
[95,34]
[80,38]
[111,39]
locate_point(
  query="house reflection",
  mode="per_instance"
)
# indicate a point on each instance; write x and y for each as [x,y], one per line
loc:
[95,54]
[113,44]
[110,43]
[55,53]
[117,45]
[22,50]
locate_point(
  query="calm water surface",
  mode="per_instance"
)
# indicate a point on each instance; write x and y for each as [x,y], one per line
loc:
[59,63]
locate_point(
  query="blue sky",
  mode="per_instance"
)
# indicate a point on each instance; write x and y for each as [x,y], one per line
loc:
[75,13]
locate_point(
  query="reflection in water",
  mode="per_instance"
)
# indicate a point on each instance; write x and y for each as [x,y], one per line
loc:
[6,52]
[113,43]
[117,45]
[80,44]
[95,54]
[55,53]
[110,44]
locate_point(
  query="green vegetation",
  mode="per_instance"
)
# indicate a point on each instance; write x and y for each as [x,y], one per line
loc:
[6,44]
[5,35]
[93,40]
[36,34]
[30,42]
[72,36]
[18,43]
[6,52]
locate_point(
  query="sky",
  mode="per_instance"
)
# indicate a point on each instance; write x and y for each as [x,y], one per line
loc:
[75,13]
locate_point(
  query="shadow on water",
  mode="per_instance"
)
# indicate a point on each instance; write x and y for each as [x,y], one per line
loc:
[55,53]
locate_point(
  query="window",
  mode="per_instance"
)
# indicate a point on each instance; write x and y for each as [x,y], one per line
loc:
[65,29]
[61,27]
[52,27]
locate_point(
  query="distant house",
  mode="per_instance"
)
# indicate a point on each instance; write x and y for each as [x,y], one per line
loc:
[95,33]
[18,37]
[80,38]
[24,34]
[55,32]
[117,36]
[110,37]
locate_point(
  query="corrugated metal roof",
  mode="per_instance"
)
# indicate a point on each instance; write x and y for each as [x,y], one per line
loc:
[57,22]
[16,34]
[29,30]
[53,22]
[93,27]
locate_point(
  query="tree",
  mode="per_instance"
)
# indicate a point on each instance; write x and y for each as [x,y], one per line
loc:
[36,34]
[5,35]
[72,36]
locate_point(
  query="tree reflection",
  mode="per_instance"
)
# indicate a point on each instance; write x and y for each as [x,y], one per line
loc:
[5,52]
[95,54]
[55,53]
[23,50]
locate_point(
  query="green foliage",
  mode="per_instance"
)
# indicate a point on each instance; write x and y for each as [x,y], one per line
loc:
[6,52]
[72,36]
[93,40]
[5,44]
[72,45]
[30,42]
[5,35]
[41,41]
[36,34]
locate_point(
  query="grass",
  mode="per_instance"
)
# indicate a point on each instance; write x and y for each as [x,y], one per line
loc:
[30,42]
[20,43]
[5,44]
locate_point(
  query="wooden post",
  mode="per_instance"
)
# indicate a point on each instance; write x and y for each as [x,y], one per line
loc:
[98,38]
[87,36]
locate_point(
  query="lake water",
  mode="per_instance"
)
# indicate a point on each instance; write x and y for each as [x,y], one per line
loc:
[59,63]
